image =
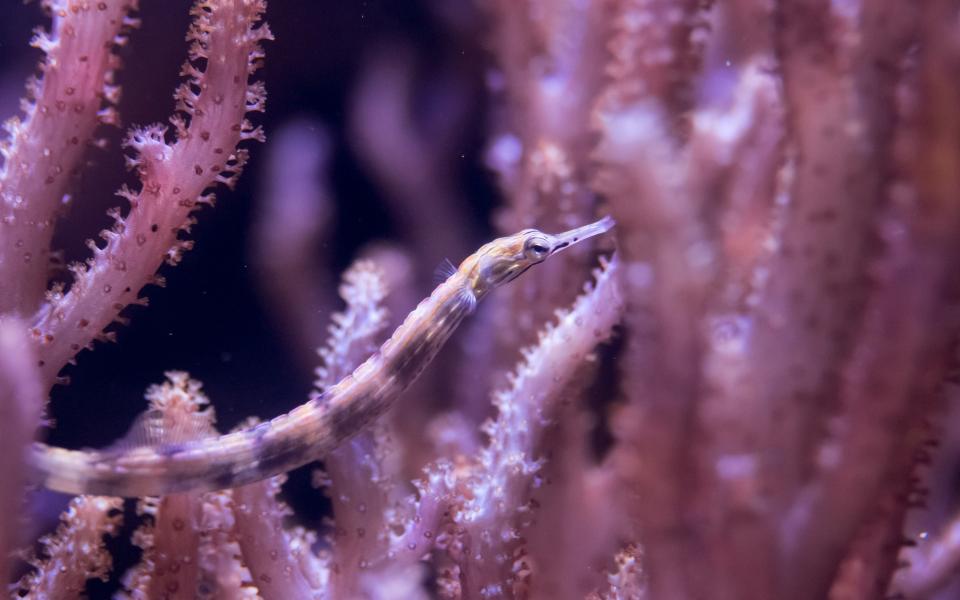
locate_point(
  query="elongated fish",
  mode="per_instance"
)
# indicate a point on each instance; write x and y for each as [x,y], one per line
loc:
[310,431]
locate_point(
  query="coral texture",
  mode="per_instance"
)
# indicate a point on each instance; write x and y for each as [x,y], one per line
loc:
[746,391]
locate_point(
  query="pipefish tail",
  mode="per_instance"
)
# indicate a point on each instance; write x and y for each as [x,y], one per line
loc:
[311,430]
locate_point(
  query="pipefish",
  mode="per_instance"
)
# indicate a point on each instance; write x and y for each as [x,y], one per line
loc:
[312,429]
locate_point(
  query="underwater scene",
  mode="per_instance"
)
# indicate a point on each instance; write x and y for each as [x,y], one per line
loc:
[480,299]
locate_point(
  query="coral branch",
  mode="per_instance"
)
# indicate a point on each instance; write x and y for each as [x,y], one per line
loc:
[170,545]
[572,487]
[496,502]
[551,55]
[353,334]
[833,112]
[628,581]
[281,562]
[223,572]
[171,538]
[356,470]
[742,192]
[75,552]
[73,94]
[886,385]
[296,214]
[668,263]
[932,564]
[210,123]
[654,52]
[21,400]
[414,162]
[872,557]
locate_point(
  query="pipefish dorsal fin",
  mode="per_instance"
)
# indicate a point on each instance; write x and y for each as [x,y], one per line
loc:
[152,428]
[178,413]
[146,430]
[443,271]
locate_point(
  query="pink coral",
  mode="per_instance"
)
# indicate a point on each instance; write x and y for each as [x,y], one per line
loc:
[737,406]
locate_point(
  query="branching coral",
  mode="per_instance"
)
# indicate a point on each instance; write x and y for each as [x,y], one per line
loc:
[22,398]
[173,178]
[75,552]
[73,93]
[735,408]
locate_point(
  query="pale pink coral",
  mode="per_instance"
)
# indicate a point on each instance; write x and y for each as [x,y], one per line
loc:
[21,400]
[781,306]
[174,177]
[76,551]
[73,93]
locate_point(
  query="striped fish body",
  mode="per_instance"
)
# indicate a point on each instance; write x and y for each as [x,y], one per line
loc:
[288,441]
[310,431]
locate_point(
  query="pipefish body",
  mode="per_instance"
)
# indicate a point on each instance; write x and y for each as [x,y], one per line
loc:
[311,430]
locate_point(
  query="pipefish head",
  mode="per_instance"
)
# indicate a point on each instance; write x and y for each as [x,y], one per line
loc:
[504,259]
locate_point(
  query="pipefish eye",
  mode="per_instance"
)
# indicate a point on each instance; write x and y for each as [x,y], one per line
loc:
[536,248]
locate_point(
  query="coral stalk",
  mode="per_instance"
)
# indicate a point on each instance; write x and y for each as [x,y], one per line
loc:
[281,562]
[75,552]
[931,565]
[21,400]
[886,385]
[73,94]
[209,124]
[359,486]
[296,214]
[497,499]
[476,511]
[832,111]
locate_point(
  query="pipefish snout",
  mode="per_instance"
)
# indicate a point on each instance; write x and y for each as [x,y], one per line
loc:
[169,463]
